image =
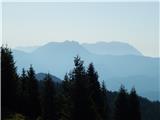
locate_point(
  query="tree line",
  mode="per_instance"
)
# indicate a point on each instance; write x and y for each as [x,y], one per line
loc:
[80,96]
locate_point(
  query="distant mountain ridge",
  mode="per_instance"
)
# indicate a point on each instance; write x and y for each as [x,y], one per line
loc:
[111,48]
[101,48]
[27,49]
[130,70]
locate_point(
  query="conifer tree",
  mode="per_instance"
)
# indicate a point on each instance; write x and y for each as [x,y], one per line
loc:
[23,93]
[64,101]
[9,79]
[134,105]
[94,92]
[23,79]
[121,111]
[93,84]
[105,106]
[66,85]
[33,94]
[48,99]
[80,96]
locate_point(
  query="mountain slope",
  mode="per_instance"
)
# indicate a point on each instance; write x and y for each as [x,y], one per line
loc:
[41,76]
[27,49]
[111,48]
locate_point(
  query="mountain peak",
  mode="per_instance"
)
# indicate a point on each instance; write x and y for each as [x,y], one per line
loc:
[70,42]
[66,42]
[68,47]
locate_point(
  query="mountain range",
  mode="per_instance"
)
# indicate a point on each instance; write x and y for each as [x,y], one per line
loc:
[116,62]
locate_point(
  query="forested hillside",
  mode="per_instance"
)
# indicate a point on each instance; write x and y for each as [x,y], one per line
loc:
[80,96]
[115,69]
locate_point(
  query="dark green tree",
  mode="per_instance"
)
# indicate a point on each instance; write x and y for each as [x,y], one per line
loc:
[66,85]
[94,93]
[121,111]
[23,93]
[23,79]
[9,82]
[134,105]
[65,103]
[105,106]
[48,99]
[33,94]
[80,92]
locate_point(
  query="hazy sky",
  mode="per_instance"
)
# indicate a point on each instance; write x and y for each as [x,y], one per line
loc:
[28,24]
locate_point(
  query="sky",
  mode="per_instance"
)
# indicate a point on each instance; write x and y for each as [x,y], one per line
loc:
[36,23]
